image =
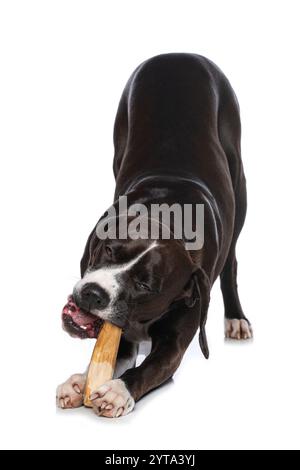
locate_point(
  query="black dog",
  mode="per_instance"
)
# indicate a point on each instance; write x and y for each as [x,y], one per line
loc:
[177,141]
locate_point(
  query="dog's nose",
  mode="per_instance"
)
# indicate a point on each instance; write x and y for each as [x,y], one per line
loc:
[94,297]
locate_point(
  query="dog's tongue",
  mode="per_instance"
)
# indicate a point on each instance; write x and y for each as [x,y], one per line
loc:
[78,316]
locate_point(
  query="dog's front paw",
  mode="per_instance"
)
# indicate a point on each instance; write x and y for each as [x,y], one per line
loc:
[112,399]
[70,393]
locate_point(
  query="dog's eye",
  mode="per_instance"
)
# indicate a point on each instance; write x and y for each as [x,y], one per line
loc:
[108,251]
[143,286]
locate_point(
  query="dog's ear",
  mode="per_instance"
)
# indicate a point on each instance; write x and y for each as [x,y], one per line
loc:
[190,293]
[196,294]
[197,289]
[88,251]
[202,285]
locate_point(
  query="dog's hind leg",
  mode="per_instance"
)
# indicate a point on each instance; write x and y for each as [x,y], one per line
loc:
[236,324]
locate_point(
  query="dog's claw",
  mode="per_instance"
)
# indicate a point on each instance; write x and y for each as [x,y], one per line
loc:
[67,401]
[77,389]
[94,396]
[119,412]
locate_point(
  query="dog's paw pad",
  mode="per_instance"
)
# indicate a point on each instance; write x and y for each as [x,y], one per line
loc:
[112,399]
[70,393]
[238,329]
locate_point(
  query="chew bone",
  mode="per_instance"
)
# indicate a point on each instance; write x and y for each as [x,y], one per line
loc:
[103,359]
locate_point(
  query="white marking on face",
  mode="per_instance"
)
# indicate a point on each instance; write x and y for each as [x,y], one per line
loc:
[107,279]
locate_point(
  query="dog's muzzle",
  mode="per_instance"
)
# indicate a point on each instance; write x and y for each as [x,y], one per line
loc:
[78,322]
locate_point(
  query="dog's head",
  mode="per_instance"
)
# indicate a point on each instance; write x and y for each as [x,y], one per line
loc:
[129,281]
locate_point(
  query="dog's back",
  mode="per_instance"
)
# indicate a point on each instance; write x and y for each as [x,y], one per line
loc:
[178,116]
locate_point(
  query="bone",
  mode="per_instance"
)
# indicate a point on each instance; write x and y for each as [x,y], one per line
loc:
[103,361]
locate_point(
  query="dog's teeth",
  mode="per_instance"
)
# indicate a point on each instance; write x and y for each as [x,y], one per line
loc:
[83,327]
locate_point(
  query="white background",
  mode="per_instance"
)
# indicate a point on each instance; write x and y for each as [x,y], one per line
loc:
[63,67]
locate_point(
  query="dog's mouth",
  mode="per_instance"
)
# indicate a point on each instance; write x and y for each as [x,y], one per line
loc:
[79,323]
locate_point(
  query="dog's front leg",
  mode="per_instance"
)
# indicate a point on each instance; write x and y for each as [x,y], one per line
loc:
[170,339]
[70,394]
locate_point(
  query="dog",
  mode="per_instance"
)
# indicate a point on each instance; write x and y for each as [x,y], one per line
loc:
[177,140]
